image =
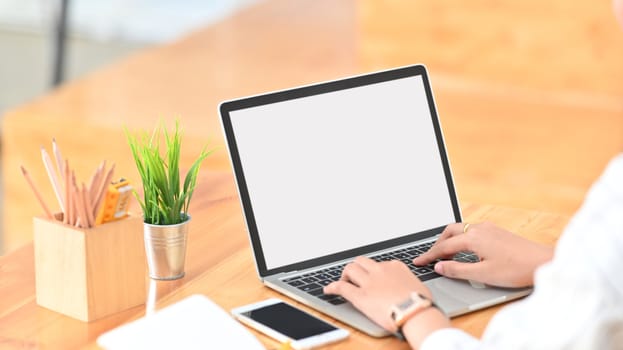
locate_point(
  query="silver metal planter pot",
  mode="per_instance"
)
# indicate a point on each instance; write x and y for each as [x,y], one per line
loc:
[165,248]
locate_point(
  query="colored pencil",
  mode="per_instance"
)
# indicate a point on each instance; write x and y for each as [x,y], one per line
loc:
[82,214]
[59,158]
[49,167]
[94,188]
[66,213]
[45,207]
[87,206]
[74,201]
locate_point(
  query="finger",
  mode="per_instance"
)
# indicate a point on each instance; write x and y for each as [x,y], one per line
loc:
[445,248]
[428,257]
[349,291]
[354,273]
[452,230]
[365,262]
[461,270]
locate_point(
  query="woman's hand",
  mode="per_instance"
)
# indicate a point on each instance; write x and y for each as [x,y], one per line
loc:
[506,260]
[374,288]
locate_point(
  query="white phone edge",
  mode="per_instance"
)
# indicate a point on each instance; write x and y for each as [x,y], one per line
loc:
[301,344]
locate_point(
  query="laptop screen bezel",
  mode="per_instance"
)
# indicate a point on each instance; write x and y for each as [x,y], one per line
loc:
[316,89]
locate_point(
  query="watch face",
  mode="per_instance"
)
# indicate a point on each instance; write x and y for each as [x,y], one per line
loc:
[408,307]
[399,309]
[405,304]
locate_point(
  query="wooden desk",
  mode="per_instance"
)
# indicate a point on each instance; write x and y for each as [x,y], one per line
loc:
[220,265]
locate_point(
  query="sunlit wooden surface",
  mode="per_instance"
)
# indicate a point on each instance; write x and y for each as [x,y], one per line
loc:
[529,93]
[556,46]
[220,265]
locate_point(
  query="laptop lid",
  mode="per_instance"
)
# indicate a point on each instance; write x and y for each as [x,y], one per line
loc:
[330,171]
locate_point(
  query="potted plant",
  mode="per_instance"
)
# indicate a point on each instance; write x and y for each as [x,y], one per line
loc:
[165,199]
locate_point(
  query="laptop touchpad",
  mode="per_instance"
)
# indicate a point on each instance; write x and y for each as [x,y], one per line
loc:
[463,291]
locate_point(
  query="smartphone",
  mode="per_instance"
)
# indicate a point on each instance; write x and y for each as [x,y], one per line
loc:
[284,322]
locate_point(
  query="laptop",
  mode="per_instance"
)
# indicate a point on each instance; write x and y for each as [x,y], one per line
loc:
[350,167]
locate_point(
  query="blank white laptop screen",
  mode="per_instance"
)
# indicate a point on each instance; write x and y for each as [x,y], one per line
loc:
[340,170]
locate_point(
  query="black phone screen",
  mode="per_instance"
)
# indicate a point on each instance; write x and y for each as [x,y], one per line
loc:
[289,321]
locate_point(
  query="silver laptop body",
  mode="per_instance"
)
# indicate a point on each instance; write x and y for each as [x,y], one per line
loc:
[355,166]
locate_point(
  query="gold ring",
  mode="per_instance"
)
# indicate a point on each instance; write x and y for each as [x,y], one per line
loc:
[465,227]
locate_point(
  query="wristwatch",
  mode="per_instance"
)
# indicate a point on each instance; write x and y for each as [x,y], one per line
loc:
[403,311]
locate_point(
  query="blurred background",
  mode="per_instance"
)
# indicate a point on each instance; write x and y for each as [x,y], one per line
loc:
[530,93]
[98,32]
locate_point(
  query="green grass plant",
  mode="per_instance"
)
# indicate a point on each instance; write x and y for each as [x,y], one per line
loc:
[165,200]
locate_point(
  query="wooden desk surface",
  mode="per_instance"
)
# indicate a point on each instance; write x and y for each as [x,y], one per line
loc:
[527,92]
[219,264]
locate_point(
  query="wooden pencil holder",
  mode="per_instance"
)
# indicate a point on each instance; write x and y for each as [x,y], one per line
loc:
[90,273]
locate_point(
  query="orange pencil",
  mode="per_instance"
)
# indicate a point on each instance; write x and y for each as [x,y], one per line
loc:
[47,211]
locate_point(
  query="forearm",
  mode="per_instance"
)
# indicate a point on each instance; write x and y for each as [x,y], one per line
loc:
[423,324]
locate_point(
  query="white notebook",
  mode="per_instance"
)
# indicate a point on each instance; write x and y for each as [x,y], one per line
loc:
[192,323]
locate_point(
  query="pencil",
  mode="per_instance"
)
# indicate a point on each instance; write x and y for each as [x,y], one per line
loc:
[102,192]
[76,199]
[75,208]
[47,162]
[59,158]
[92,184]
[94,187]
[67,194]
[47,211]
[82,214]
[87,206]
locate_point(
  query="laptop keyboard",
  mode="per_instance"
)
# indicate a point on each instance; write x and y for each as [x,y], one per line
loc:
[313,282]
